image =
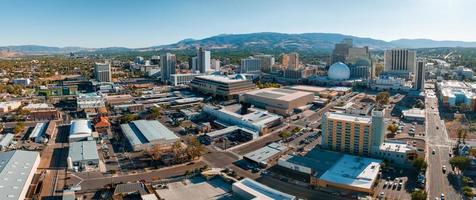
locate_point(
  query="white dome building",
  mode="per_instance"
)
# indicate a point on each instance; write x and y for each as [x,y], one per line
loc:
[338,71]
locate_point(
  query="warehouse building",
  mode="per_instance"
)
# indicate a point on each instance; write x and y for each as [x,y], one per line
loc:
[83,156]
[38,133]
[17,169]
[5,141]
[142,134]
[253,119]
[277,100]
[80,129]
[264,156]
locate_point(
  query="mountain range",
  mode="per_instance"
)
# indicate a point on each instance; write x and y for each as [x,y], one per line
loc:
[251,41]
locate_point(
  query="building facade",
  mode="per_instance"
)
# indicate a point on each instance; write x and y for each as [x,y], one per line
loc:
[250,65]
[419,78]
[222,86]
[203,60]
[168,62]
[399,61]
[102,72]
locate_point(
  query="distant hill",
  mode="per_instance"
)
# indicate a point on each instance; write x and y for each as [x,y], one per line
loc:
[427,43]
[304,41]
[267,41]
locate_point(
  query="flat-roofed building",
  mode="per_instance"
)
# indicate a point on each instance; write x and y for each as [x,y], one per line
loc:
[265,155]
[142,134]
[80,129]
[351,173]
[42,111]
[182,79]
[414,114]
[333,169]
[90,100]
[397,152]
[457,94]
[8,106]
[254,119]
[249,189]
[118,99]
[277,100]
[83,156]
[17,169]
[222,86]
[354,134]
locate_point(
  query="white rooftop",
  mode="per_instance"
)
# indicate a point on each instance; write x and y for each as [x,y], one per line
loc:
[347,117]
[395,147]
[220,78]
[414,112]
[260,191]
[354,171]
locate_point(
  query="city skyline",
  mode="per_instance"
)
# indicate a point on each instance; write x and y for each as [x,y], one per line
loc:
[149,23]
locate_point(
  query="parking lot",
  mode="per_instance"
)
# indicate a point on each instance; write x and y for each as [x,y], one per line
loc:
[396,184]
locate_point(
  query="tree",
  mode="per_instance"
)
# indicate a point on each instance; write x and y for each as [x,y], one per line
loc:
[128,118]
[285,135]
[194,148]
[468,191]
[155,113]
[393,128]
[460,162]
[419,195]
[19,127]
[420,164]
[383,98]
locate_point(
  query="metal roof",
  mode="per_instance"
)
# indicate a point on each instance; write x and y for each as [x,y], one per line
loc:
[6,140]
[84,150]
[80,128]
[16,171]
[260,191]
[263,154]
[38,130]
[128,188]
[146,131]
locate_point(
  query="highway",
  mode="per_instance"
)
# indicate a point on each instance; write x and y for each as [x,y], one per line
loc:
[437,139]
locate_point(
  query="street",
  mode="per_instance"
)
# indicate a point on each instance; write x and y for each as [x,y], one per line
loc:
[437,139]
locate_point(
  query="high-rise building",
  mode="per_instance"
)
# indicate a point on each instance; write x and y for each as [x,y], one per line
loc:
[155,60]
[399,61]
[193,64]
[215,64]
[267,62]
[102,72]
[419,78]
[203,60]
[291,60]
[250,65]
[167,64]
[341,51]
[354,134]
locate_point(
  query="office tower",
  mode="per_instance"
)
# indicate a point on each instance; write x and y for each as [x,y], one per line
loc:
[290,61]
[419,77]
[155,60]
[267,62]
[167,64]
[203,60]
[399,61]
[354,134]
[341,51]
[215,64]
[102,72]
[250,65]
[193,64]
[139,60]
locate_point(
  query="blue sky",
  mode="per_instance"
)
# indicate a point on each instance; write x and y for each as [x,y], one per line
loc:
[143,23]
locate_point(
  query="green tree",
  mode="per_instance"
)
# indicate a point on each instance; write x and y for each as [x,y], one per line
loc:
[468,191]
[419,195]
[128,118]
[420,164]
[393,128]
[383,98]
[194,147]
[460,162]
[19,127]
[155,113]
[285,135]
